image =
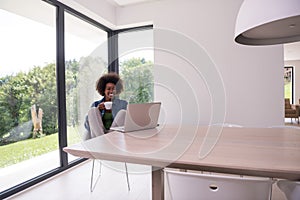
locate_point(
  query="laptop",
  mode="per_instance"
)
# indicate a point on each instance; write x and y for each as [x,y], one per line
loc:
[140,117]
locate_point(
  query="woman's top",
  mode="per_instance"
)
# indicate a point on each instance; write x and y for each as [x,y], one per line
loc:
[117,105]
[107,119]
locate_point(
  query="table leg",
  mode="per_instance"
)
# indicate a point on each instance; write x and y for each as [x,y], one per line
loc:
[157,183]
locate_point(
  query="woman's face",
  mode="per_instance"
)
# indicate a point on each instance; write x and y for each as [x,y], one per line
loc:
[110,91]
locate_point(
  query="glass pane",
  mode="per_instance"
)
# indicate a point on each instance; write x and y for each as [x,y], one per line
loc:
[135,65]
[28,100]
[86,59]
[288,83]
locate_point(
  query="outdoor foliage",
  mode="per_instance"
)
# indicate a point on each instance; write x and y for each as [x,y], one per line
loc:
[20,92]
[72,68]
[138,80]
[38,86]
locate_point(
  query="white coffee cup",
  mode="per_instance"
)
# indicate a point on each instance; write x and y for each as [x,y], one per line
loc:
[108,105]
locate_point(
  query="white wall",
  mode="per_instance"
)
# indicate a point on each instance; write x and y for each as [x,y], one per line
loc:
[296,65]
[201,73]
[252,76]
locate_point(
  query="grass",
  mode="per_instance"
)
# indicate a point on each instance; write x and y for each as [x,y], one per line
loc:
[23,150]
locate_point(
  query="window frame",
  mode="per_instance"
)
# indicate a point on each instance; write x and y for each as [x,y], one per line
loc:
[113,66]
[292,82]
[113,52]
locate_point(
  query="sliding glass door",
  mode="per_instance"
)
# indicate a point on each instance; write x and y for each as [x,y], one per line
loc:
[86,60]
[47,48]
[51,57]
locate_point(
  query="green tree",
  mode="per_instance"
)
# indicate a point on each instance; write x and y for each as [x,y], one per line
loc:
[19,93]
[72,68]
[42,84]
[138,80]
[38,86]
[13,101]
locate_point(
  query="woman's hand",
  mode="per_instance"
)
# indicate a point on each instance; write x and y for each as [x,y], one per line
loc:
[101,106]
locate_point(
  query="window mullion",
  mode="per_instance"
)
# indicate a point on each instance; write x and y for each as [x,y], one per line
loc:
[61,89]
[113,54]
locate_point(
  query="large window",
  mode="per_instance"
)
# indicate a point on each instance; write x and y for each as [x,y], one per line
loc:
[86,60]
[136,58]
[28,100]
[51,57]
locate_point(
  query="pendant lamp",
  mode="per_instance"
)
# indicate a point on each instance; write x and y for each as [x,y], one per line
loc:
[268,22]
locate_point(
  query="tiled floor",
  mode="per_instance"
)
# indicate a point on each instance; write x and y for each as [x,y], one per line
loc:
[75,184]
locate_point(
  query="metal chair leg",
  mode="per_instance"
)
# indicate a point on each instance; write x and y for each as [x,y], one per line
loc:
[127,177]
[92,186]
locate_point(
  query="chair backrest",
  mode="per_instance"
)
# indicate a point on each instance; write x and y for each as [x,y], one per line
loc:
[287,103]
[185,185]
[291,189]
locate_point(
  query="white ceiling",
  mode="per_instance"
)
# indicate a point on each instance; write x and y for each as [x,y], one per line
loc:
[127,2]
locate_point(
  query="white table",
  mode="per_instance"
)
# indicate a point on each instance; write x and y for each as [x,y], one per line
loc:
[267,152]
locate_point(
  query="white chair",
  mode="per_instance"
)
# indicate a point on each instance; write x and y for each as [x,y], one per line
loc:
[190,186]
[92,184]
[291,189]
[95,123]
